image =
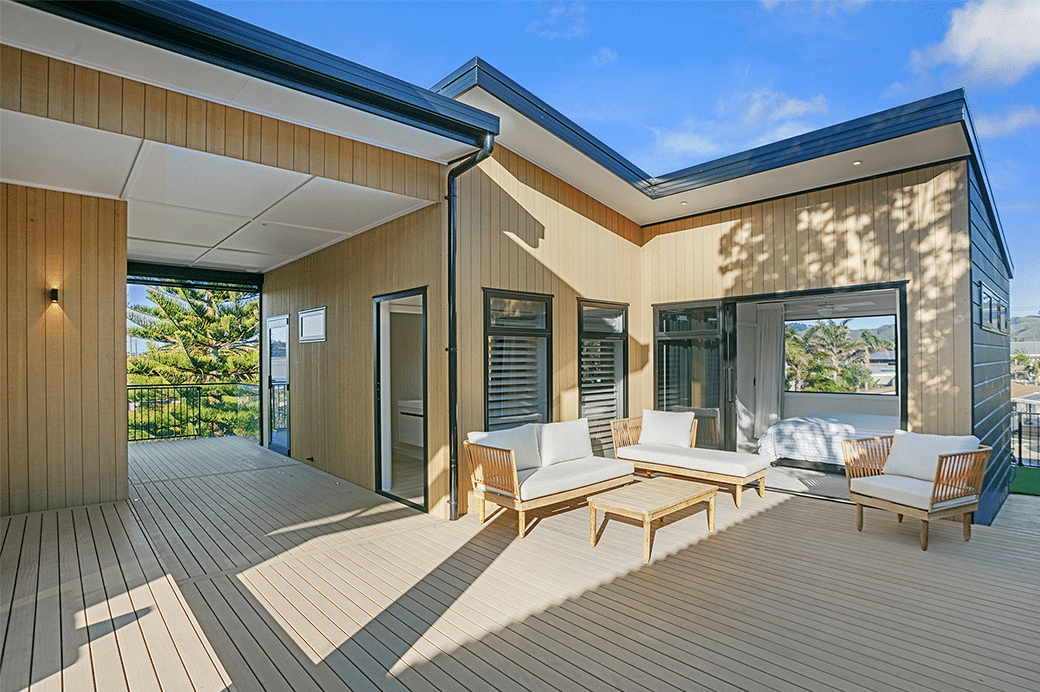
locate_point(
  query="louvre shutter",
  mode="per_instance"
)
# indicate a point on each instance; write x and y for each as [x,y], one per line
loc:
[516,381]
[600,389]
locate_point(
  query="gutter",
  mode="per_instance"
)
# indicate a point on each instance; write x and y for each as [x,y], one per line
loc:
[453,323]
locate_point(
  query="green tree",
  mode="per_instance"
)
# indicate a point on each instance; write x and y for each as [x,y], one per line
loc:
[1026,365]
[201,337]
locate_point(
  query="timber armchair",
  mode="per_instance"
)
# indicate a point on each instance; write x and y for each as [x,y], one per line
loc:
[537,465]
[665,442]
[923,476]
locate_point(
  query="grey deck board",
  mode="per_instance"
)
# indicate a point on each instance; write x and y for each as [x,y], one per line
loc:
[231,567]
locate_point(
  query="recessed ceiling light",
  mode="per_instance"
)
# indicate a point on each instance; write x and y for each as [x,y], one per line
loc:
[683,203]
[856,163]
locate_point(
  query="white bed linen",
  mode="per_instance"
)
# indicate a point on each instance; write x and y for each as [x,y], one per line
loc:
[818,437]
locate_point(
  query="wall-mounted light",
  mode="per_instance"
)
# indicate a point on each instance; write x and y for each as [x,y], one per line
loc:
[54,295]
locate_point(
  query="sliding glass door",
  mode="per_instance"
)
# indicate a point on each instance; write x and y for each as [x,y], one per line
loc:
[602,366]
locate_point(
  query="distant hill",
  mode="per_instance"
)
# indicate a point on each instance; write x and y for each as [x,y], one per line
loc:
[1025,328]
[888,332]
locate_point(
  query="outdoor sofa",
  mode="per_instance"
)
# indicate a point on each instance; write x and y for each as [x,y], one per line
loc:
[663,442]
[537,465]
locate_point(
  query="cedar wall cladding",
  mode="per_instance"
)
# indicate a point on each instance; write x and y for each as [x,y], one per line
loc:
[910,226]
[62,366]
[332,382]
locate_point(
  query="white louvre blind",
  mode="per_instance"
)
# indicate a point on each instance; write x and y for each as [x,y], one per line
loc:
[516,381]
[601,388]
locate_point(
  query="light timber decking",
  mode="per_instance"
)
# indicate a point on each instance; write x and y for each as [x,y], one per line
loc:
[234,567]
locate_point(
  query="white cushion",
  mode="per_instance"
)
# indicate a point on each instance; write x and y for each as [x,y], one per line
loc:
[523,441]
[903,490]
[917,456]
[718,461]
[573,474]
[564,441]
[666,428]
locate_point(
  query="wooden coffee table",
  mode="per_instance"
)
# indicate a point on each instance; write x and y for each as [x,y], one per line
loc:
[649,500]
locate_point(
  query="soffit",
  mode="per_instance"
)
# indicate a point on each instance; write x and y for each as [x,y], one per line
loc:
[530,140]
[187,207]
[47,34]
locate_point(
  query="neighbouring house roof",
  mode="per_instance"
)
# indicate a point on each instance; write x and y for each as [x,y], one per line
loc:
[927,131]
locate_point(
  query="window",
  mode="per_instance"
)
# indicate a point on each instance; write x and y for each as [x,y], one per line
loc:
[602,364]
[855,355]
[687,365]
[518,332]
[993,311]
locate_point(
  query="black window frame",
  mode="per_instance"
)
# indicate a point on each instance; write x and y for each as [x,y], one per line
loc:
[547,332]
[591,335]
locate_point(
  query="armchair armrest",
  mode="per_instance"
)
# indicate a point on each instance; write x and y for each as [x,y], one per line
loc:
[865,457]
[625,432]
[493,468]
[960,475]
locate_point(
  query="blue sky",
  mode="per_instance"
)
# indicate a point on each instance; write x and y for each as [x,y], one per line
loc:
[673,84]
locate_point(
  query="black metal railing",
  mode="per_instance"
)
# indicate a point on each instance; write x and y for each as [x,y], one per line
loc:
[171,412]
[1025,432]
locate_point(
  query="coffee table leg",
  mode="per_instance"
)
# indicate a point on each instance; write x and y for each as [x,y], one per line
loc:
[646,541]
[711,513]
[592,526]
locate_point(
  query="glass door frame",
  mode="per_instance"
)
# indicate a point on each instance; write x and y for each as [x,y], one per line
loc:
[377,325]
[269,323]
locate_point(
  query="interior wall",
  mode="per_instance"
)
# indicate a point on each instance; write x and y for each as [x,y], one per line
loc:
[332,383]
[523,229]
[910,226]
[62,365]
[805,404]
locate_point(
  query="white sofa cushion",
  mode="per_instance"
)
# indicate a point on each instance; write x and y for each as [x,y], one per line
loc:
[696,459]
[573,474]
[564,441]
[522,440]
[666,428]
[917,456]
[903,490]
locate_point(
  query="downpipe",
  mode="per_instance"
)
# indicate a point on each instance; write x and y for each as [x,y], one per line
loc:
[453,327]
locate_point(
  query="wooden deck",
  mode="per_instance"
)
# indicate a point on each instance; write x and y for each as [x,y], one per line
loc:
[234,568]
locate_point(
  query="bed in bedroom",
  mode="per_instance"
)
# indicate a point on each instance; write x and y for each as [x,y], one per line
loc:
[815,441]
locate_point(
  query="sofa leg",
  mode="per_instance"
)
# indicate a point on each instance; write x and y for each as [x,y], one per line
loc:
[762,487]
[522,525]
[859,517]
[899,518]
[967,518]
[736,494]
[924,534]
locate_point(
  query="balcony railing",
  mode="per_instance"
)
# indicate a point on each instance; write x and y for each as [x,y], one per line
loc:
[1025,432]
[171,412]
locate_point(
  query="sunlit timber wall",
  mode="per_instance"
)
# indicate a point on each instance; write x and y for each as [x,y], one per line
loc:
[910,226]
[62,365]
[523,229]
[332,391]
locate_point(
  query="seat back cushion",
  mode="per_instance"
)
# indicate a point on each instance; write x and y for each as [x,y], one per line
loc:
[564,441]
[666,428]
[916,455]
[522,440]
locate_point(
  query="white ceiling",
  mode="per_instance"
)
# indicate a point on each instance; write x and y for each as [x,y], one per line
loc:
[47,34]
[535,143]
[187,207]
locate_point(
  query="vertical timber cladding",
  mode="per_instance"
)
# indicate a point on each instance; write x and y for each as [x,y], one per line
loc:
[332,404]
[991,368]
[523,229]
[63,366]
[909,226]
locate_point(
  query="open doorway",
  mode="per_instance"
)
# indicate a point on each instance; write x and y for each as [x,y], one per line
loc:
[278,384]
[400,396]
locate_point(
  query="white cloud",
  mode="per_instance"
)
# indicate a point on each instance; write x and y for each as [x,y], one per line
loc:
[563,21]
[605,56]
[1011,121]
[990,40]
[768,106]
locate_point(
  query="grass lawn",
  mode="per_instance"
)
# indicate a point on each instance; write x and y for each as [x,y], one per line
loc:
[1027,481]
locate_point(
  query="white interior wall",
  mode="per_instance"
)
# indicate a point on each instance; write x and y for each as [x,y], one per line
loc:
[804,404]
